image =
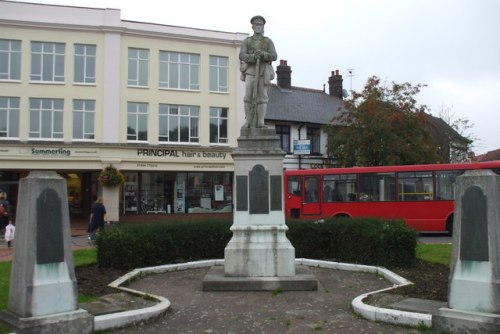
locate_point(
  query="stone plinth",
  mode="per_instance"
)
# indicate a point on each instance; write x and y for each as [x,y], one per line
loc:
[43,290]
[259,256]
[474,283]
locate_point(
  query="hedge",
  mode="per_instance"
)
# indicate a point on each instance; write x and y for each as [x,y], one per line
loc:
[364,240]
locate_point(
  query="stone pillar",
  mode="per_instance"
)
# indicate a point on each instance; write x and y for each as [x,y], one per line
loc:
[111,197]
[43,296]
[259,256]
[259,247]
[474,283]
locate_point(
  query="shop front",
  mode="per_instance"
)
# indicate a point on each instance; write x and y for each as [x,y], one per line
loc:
[177,192]
[157,180]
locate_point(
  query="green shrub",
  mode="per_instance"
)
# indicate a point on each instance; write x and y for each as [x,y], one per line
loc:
[363,240]
[150,244]
[370,241]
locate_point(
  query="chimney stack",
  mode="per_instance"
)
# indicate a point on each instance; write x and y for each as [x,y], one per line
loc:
[284,75]
[335,84]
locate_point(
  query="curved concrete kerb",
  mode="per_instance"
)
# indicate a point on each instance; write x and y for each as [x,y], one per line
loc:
[369,312]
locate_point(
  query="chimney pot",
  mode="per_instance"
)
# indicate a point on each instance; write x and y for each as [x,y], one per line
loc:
[335,84]
[284,75]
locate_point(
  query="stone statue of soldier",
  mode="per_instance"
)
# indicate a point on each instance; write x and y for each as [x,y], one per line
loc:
[256,56]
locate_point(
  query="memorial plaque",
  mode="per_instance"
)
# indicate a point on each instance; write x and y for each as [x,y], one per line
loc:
[474,228]
[259,190]
[276,193]
[49,236]
[241,193]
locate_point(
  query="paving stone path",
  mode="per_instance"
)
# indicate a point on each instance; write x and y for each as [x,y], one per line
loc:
[327,310]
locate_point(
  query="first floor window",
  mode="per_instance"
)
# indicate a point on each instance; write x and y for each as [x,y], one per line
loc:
[178,124]
[9,117]
[283,132]
[137,121]
[218,125]
[314,135]
[10,59]
[46,118]
[83,119]
[47,61]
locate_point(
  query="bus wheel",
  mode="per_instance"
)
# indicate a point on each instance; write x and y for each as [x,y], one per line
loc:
[295,213]
[449,225]
[342,215]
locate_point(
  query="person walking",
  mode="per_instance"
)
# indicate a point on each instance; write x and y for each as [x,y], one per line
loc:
[97,220]
[4,211]
[9,233]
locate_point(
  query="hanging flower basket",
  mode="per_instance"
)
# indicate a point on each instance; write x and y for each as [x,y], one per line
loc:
[110,177]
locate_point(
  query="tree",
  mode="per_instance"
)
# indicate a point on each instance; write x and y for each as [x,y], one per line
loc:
[459,142]
[382,126]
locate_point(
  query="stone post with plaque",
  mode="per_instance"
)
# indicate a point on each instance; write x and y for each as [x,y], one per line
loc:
[43,296]
[474,283]
[259,256]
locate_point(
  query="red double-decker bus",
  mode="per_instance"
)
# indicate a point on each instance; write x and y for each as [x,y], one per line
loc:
[421,195]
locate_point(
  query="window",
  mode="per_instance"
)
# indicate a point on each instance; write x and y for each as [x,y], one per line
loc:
[179,70]
[10,59]
[85,57]
[218,74]
[445,184]
[314,134]
[83,119]
[138,67]
[178,124]
[46,118]
[415,186]
[9,117]
[218,125]
[311,186]
[47,61]
[378,187]
[137,121]
[294,185]
[283,132]
[340,188]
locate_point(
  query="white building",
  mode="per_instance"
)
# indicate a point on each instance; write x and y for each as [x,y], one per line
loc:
[81,89]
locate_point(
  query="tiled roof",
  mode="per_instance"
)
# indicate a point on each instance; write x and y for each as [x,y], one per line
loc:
[302,105]
[489,156]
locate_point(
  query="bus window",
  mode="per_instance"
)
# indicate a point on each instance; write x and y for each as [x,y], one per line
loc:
[415,186]
[445,184]
[339,188]
[378,187]
[294,185]
[311,193]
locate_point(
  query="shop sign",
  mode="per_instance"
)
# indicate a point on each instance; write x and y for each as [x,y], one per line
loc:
[62,152]
[166,153]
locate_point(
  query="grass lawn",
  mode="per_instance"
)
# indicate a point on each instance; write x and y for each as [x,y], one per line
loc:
[435,253]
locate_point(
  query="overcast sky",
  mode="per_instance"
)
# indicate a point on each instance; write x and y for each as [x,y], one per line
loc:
[453,46]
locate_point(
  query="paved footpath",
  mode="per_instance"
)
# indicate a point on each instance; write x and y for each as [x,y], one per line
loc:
[327,310]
